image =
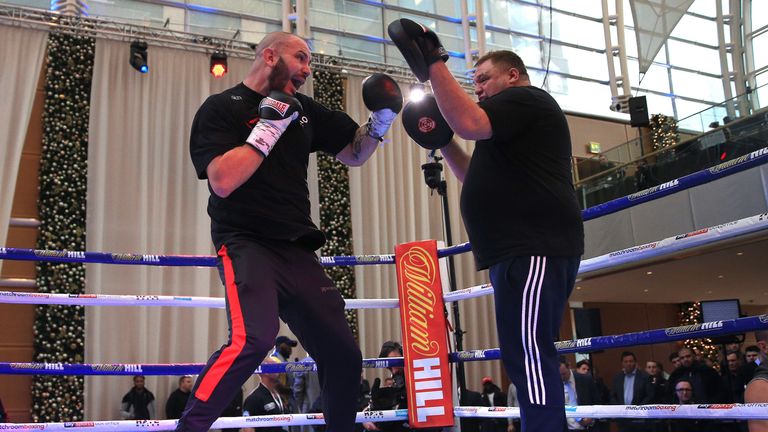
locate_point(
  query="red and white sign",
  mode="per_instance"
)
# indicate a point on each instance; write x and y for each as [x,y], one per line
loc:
[425,346]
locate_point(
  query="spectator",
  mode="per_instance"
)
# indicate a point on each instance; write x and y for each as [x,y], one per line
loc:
[674,360]
[513,424]
[734,377]
[364,395]
[3,414]
[684,390]
[283,349]
[659,383]
[306,390]
[583,367]
[265,399]
[751,353]
[579,389]
[178,399]
[492,396]
[631,386]
[391,397]
[139,402]
[234,409]
[707,387]
[471,398]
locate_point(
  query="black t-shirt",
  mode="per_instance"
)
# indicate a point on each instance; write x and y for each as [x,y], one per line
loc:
[274,202]
[518,197]
[261,402]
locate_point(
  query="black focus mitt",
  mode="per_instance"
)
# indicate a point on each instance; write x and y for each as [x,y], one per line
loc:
[419,46]
[425,125]
[380,91]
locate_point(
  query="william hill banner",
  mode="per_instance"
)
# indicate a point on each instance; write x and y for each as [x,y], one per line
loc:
[425,348]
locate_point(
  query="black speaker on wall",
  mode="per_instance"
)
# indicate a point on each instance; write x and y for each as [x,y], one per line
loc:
[638,112]
[587,323]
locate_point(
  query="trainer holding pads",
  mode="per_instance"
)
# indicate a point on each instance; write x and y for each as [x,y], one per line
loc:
[252,144]
[518,205]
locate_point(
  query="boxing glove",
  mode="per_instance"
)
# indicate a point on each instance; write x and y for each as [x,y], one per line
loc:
[276,112]
[419,45]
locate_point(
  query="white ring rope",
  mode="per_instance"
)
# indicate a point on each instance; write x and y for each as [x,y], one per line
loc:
[17,297]
[703,411]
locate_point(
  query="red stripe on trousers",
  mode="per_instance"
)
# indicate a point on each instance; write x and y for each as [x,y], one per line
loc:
[233,350]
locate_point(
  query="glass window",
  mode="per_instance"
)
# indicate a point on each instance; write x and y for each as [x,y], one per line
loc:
[348,22]
[518,17]
[694,57]
[697,86]
[588,8]
[759,13]
[760,50]
[37,4]
[212,24]
[630,41]
[262,8]
[762,89]
[579,96]
[577,31]
[696,116]
[656,79]
[450,8]
[696,29]
[326,43]
[578,62]
[657,104]
[707,8]
[136,12]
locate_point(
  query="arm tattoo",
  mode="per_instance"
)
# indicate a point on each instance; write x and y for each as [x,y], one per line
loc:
[357,142]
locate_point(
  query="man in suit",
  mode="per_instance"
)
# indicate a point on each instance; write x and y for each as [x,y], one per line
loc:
[579,389]
[631,386]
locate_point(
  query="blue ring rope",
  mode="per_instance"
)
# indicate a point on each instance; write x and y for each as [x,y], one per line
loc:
[669,334]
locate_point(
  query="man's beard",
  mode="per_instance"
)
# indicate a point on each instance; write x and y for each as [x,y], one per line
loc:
[279,76]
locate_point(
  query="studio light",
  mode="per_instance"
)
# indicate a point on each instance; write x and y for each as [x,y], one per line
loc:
[218,64]
[417,93]
[139,56]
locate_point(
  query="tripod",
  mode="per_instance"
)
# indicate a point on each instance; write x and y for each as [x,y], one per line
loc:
[433,177]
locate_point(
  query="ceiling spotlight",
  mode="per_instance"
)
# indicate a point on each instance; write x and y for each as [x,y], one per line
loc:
[219,64]
[417,93]
[139,56]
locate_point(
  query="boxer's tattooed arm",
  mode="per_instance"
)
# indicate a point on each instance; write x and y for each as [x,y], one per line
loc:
[357,141]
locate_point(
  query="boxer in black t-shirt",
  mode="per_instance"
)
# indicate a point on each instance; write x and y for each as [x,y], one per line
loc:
[252,144]
[518,204]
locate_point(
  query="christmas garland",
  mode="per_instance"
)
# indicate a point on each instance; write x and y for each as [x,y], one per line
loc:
[335,217]
[60,330]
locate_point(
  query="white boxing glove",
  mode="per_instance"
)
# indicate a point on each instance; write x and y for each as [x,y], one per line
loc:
[277,111]
[379,122]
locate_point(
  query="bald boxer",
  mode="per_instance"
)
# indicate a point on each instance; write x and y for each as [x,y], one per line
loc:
[251,143]
[518,204]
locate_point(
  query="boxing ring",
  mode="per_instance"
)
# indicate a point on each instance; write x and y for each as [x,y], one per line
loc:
[635,255]
[650,251]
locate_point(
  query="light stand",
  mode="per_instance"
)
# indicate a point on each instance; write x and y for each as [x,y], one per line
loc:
[433,177]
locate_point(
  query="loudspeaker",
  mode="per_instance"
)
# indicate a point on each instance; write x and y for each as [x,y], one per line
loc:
[638,112]
[587,323]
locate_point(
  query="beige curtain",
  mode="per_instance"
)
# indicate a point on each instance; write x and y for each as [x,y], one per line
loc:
[391,204]
[23,51]
[144,197]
